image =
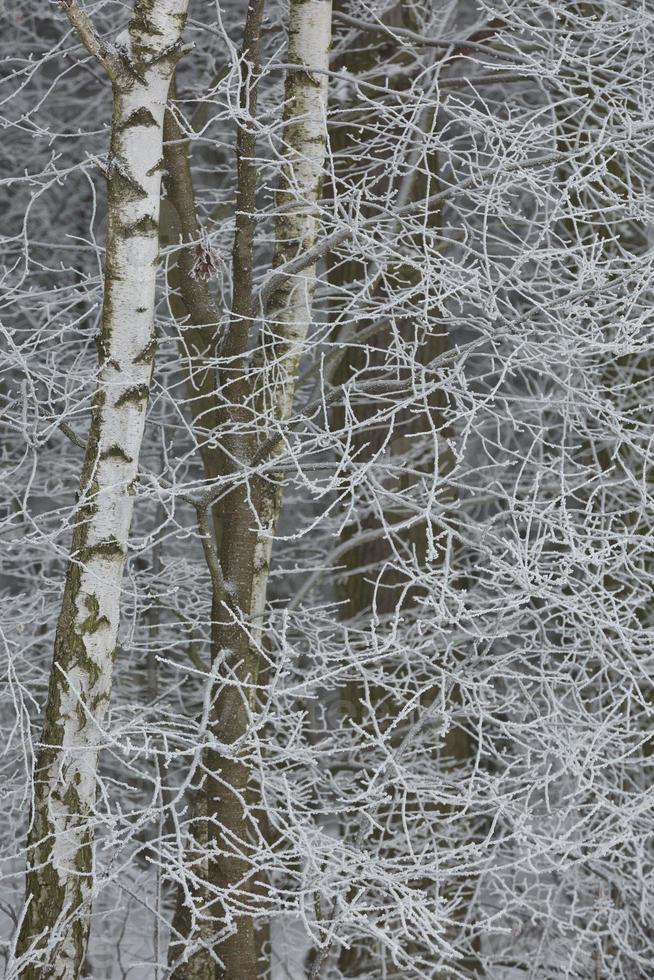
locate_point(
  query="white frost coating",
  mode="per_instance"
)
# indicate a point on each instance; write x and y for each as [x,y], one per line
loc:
[309,42]
[289,313]
[82,672]
[453,735]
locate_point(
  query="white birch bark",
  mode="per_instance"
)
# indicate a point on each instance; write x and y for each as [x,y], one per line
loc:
[289,308]
[60,886]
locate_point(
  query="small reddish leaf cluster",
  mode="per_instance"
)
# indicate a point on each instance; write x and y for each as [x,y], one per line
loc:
[206,262]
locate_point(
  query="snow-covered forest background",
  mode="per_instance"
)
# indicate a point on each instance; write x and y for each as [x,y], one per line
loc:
[326,509]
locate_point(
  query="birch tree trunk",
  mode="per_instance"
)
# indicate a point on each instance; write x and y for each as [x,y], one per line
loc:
[60,879]
[289,306]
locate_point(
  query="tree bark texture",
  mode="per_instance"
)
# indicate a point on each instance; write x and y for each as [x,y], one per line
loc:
[288,314]
[60,880]
[243,554]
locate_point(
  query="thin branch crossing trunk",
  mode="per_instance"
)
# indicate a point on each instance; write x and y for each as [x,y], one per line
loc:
[218,806]
[243,555]
[60,880]
[289,306]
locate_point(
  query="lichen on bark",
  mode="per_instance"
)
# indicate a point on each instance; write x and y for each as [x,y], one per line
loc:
[60,877]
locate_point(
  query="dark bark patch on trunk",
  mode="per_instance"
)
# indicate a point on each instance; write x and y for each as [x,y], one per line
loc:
[116,452]
[136,395]
[140,117]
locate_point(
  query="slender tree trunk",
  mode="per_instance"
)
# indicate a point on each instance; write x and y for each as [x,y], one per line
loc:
[231,811]
[289,307]
[188,280]
[191,301]
[219,807]
[60,880]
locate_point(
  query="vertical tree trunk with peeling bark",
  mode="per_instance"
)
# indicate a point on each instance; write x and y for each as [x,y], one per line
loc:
[60,880]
